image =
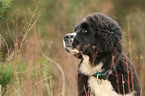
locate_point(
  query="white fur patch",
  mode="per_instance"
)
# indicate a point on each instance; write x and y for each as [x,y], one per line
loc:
[74,51]
[84,20]
[87,69]
[104,88]
[71,34]
[71,50]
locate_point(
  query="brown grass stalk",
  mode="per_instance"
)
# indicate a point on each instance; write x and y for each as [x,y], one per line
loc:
[0,40]
[123,85]
[15,91]
[3,40]
[117,81]
[35,61]
[62,72]
[128,80]
[130,54]
[30,26]
[127,68]
[35,84]
[49,87]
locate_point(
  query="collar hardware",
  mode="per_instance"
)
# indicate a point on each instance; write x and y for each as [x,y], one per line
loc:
[99,81]
[104,74]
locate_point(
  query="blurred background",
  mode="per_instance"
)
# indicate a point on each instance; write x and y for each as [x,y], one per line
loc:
[33,61]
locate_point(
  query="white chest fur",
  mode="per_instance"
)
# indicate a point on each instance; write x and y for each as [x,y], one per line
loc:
[87,69]
[103,89]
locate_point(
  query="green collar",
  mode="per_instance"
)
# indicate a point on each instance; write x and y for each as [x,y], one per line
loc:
[104,73]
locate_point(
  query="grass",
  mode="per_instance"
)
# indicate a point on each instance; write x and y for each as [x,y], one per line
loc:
[34,59]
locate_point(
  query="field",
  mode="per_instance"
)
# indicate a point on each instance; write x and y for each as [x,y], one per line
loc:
[33,61]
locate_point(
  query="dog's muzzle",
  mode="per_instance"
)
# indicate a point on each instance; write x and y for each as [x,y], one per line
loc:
[68,41]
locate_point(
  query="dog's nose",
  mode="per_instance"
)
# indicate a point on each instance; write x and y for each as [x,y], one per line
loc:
[66,37]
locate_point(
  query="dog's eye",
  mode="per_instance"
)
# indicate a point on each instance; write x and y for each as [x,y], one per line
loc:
[84,31]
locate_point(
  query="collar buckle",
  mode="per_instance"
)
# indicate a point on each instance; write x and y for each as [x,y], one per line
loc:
[99,81]
[104,74]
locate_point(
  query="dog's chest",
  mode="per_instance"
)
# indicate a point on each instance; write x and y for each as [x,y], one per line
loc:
[104,88]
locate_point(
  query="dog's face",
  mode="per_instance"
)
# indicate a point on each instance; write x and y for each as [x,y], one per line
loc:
[97,34]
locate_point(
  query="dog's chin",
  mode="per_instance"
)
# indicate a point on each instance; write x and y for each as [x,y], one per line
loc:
[75,52]
[71,50]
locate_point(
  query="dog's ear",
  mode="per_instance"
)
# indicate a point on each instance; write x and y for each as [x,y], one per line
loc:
[112,42]
[112,37]
[109,39]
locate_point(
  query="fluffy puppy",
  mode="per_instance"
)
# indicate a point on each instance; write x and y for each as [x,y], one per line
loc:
[104,70]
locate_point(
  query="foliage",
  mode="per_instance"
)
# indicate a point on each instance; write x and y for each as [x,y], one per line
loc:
[4,5]
[6,74]
[9,76]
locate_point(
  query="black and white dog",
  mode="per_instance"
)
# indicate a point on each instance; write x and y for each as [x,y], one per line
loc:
[104,70]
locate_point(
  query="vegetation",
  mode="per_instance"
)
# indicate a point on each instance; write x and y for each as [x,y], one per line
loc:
[33,61]
[4,5]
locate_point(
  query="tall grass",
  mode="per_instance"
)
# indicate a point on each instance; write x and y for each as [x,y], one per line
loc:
[32,41]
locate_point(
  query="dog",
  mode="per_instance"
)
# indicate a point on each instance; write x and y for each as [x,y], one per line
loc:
[104,70]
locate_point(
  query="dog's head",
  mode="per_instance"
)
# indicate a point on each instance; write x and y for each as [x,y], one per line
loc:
[96,33]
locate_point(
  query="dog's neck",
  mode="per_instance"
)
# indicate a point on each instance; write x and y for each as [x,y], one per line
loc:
[89,67]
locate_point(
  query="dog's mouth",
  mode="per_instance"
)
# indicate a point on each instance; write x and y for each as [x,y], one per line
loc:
[68,43]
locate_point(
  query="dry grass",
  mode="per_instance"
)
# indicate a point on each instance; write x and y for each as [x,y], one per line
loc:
[56,74]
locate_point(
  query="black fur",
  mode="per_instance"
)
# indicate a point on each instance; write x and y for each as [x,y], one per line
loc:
[99,37]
